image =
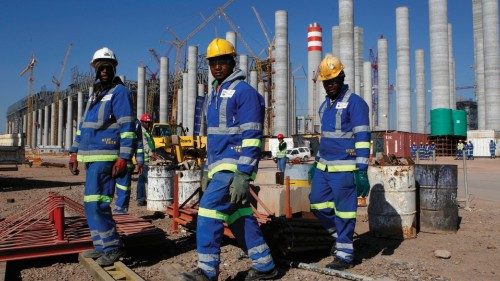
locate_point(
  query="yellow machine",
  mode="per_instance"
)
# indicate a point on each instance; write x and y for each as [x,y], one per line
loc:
[172,143]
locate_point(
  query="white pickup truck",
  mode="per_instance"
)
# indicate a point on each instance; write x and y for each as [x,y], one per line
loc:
[11,151]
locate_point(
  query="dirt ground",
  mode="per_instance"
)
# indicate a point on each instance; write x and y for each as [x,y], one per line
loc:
[474,248]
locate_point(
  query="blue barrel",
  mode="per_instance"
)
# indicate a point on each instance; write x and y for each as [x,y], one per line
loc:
[437,188]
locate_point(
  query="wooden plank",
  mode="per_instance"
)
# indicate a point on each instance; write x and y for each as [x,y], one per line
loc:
[173,272]
[95,270]
[3,270]
[132,276]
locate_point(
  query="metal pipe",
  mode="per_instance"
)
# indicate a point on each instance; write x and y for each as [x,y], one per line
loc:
[175,205]
[332,272]
[288,207]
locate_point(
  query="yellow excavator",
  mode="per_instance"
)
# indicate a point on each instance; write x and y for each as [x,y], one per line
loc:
[172,144]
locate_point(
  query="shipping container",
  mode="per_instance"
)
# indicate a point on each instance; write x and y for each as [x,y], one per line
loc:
[396,142]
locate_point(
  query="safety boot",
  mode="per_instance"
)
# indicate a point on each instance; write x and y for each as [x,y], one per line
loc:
[110,257]
[254,275]
[339,264]
[92,254]
[195,275]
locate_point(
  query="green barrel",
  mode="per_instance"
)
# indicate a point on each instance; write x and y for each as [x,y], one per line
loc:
[460,123]
[441,122]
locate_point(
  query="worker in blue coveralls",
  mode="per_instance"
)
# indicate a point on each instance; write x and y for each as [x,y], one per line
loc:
[341,162]
[123,183]
[470,150]
[235,116]
[493,148]
[414,149]
[104,143]
[432,150]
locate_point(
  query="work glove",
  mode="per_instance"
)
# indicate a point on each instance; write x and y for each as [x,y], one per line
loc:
[119,168]
[239,188]
[73,164]
[362,184]
[204,181]
[312,170]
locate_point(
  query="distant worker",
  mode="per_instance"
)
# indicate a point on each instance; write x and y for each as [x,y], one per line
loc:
[235,116]
[148,148]
[341,162]
[433,150]
[414,149]
[123,183]
[421,151]
[460,150]
[493,148]
[104,142]
[281,153]
[470,150]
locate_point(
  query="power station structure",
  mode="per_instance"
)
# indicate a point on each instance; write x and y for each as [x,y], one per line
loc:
[174,96]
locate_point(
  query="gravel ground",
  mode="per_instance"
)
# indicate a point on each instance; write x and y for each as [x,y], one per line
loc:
[474,248]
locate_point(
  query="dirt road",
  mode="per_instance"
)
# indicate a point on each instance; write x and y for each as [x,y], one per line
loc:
[475,248]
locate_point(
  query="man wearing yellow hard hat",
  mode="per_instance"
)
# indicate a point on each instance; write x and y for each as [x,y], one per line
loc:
[341,162]
[235,117]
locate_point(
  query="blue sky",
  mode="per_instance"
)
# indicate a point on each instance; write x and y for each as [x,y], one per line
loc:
[130,28]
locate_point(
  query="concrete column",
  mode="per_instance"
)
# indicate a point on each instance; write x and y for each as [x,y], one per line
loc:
[243,65]
[491,64]
[260,88]
[39,127]
[45,141]
[60,123]
[53,129]
[163,89]
[403,57]
[141,90]
[69,123]
[25,120]
[210,81]
[33,129]
[451,65]
[179,106]
[335,41]
[314,51]
[231,37]
[347,38]
[201,110]
[358,59]
[477,19]
[420,90]
[253,79]
[191,87]
[79,111]
[281,74]
[440,69]
[383,85]
[367,87]
[185,99]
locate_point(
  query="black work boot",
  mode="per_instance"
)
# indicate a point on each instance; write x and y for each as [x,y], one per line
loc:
[110,257]
[92,254]
[259,275]
[339,264]
[195,275]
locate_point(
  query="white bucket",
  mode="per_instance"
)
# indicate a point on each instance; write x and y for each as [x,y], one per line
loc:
[159,192]
[189,182]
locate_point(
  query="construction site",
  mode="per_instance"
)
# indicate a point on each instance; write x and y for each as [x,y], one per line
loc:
[429,214]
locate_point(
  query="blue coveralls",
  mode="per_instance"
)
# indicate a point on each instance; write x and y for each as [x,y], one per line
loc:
[123,183]
[235,115]
[493,147]
[470,151]
[344,147]
[421,151]
[414,149]
[105,134]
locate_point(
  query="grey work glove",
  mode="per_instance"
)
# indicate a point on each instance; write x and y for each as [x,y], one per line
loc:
[239,188]
[204,181]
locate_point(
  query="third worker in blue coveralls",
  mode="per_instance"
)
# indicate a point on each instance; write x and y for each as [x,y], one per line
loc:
[341,162]
[235,116]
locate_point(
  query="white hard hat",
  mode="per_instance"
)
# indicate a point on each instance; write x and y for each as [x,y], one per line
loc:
[103,54]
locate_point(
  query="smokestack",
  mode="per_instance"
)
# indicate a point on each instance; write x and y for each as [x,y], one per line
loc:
[347,39]
[420,90]
[403,55]
[440,77]
[314,51]
[335,41]
[281,74]
[358,59]
[491,64]
[383,85]
[477,20]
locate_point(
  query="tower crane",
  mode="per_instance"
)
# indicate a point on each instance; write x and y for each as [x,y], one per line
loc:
[57,82]
[29,101]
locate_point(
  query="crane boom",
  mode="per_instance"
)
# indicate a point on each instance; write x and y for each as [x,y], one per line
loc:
[236,30]
[29,101]
[261,23]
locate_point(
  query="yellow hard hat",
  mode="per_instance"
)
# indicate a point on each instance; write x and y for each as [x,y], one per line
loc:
[220,47]
[329,68]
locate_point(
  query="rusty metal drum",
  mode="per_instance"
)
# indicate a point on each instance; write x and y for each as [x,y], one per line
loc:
[437,189]
[392,202]
[160,188]
[189,183]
